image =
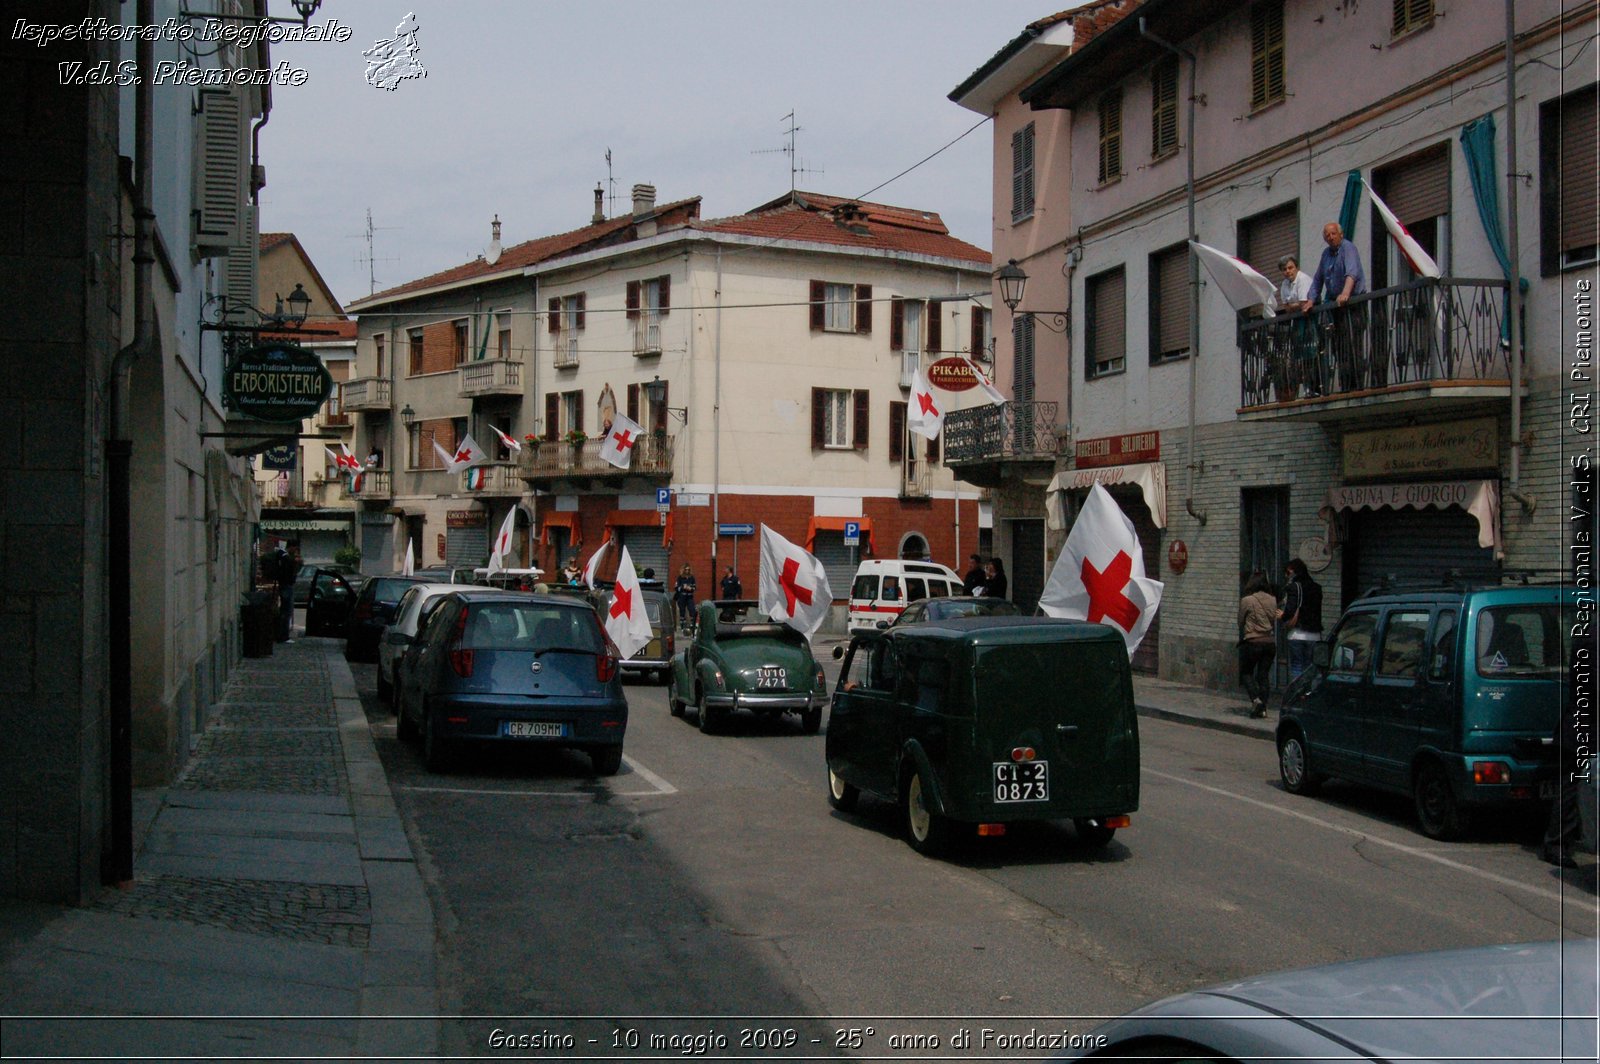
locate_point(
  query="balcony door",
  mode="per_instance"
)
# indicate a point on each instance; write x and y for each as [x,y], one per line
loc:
[1417,190]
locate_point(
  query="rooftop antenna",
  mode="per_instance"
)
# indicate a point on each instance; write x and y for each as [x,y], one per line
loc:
[368,260]
[611,188]
[789,149]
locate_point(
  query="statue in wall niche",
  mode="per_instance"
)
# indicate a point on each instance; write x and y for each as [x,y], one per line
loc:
[607,409]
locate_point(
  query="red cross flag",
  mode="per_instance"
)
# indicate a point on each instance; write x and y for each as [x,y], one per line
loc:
[467,453]
[511,445]
[627,622]
[923,415]
[501,552]
[794,588]
[985,382]
[617,447]
[1420,261]
[410,565]
[594,564]
[1100,575]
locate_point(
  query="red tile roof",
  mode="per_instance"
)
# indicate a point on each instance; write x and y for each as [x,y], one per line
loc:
[812,217]
[1091,20]
[272,240]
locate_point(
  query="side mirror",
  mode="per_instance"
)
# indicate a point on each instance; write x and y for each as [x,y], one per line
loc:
[838,653]
[394,638]
[883,624]
[1321,655]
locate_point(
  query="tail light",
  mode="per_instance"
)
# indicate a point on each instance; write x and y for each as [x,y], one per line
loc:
[460,660]
[668,644]
[607,664]
[1491,772]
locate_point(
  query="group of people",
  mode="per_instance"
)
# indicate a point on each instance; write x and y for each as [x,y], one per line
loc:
[986,579]
[1260,612]
[1338,279]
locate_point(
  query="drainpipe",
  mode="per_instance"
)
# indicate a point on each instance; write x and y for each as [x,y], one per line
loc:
[1514,304]
[532,496]
[1194,267]
[716,429]
[117,865]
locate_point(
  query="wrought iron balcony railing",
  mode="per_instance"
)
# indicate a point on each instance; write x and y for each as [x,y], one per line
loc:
[652,456]
[995,431]
[1432,329]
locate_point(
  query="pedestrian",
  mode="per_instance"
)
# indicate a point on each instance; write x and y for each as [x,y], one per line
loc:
[732,588]
[974,578]
[1301,615]
[1258,613]
[1298,370]
[284,567]
[572,576]
[1339,278]
[994,579]
[683,596]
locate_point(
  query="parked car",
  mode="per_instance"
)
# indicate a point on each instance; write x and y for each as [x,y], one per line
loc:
[513,579]
[330,596]
[1448,696]
[510,667]
[302,582]
[738,659]
[979,722]
[374,609]
[444,574]
[408,618]
[655,657]
[884,586]
[948,609]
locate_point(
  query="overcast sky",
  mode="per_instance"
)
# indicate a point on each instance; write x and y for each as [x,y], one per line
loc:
[523,97]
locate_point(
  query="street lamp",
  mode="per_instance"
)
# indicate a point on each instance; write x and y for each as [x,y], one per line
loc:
[655,390]
[1013,281]
[407,414]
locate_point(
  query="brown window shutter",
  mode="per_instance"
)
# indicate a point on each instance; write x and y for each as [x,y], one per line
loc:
[819,296]
[932,451]
[1268,237]
[1417,187]
[578,418]
[1578,198]
[583,306]
[633,301]
[897,431]
[859,442]
[863,308]
[552,415]
[658,413]
[975,340]
[555,316]
[1108,330]
[897,324]
[666,292]
[1170,302]
[819,398]
[633,402]
[935,327]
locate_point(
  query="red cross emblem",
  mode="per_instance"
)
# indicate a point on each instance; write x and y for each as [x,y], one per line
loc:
[624,439]
[464,455]
[621,602]
[925,400]
[792,590]
[1105,592]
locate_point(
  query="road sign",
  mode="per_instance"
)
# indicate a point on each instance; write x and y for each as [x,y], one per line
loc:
[663,499]
[852,533]
[736,530]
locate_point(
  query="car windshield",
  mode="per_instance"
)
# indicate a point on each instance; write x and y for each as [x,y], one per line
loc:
[389,590]
[951,608]
[740,613]
[530,626]
[1522,640]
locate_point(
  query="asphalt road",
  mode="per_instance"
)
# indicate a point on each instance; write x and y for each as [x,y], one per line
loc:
[709,884]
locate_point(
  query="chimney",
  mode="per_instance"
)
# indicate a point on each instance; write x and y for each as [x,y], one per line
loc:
[493,255]
[599,204]
[644,199]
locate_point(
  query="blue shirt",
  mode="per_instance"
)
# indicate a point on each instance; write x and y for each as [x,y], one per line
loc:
[1335,265]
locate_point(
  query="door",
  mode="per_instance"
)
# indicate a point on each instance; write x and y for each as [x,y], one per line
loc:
[1395,706]
[1332,713]
[863,723]
[328,606]
[1264,548]
[1027,564]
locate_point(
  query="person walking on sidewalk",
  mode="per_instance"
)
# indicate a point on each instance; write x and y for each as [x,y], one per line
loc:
[1258,613]
[284,568]
[1302,615]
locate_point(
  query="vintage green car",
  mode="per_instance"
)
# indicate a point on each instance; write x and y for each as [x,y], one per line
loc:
[985,721]
[740,660]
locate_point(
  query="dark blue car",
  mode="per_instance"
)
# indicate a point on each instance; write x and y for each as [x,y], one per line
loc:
[512,667]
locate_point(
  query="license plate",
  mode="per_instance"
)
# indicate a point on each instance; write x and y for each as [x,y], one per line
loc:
[1021,781]
[534,729]
[1547,789]
[770,676]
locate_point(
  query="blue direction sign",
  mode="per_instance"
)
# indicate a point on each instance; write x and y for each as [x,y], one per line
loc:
[736,530]
[852,533]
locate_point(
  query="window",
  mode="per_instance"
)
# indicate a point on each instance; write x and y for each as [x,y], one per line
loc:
[982,333]
[648,302]
[1022,173]
[503,422]
[1169,304]
[837,307]
[1164,108]
[1111,136]
[1105,331]
[905,335]
[1267,237]
[1411,15]
[502,347]
[563,413]
[1266,54]
[458,349]
[1403,640]
[1442,659]
[378,345]
[1569,202]
[838,419]
[1417,190]
[414,347]
[897,432]
[568,314]
[1022,330]
[1352,644]
[840,312]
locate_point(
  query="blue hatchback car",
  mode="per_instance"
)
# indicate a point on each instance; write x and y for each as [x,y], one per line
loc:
[517,668]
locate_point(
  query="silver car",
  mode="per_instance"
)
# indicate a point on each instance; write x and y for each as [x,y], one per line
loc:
[403,629]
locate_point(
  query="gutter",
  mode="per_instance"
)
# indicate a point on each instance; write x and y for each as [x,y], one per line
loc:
[1514,302]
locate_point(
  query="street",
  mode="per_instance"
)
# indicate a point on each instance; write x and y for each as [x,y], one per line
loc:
[710,878]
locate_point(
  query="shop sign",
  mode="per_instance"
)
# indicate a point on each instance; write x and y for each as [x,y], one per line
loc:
[1132,448]
[1178,556]
[952,375]
[1315,553]
[276,382]
[282,456]
[466,519]
[1449,447]
[1404,496]
[441,546]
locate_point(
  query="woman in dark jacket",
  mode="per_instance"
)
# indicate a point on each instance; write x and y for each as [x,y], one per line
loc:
[994,583]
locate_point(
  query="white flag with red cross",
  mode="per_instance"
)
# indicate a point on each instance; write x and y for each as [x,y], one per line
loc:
[1100,575]
[985,382]
[410,565]
[511,445]
[923,415]
[627,621]
[794,587]
[593,564]
[501,551]
[617,447]
[467,453]
[1420,261]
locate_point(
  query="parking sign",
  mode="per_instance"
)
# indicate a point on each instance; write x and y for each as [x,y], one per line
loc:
[663,499]
[852,533]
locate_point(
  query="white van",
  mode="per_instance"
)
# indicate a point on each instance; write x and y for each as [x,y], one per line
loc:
[884,587]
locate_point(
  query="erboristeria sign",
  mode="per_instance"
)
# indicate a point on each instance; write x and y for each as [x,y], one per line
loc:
[276,382]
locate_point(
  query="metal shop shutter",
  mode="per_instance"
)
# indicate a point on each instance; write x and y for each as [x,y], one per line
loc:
[838,561]
[647,552]
[377,548]
[1417,546]
[467,546]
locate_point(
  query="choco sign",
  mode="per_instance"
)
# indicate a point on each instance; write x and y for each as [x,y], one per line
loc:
[952,375]
[276,382]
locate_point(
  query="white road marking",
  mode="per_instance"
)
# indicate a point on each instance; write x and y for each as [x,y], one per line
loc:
[1413,851]
[661,787]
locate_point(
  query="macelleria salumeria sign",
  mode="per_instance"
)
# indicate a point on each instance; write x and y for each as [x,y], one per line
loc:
[276,382]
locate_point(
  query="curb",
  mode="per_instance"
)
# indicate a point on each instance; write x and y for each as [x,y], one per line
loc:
[1252,731]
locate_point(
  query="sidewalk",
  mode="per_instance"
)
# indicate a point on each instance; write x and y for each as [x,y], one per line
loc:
[275,902]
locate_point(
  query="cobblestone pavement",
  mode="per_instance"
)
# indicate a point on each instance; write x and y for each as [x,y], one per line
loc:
[307,912]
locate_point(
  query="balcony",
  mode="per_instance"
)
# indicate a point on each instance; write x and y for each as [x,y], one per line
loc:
[374,484]
[916,478]
[333,419]
[1430,344]
[491,376]
[544,463]
[366,393]
[646,337]
[566,356]
[498,478]
[980,442]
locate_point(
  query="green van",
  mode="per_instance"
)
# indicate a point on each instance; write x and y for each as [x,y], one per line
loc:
[1449,696]
[983,721]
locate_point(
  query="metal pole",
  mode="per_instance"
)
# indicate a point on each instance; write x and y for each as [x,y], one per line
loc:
[1514,303]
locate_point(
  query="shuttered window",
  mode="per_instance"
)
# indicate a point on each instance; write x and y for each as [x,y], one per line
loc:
[1569,202]
[897,432]
[1110,136]
[1022,173]
[1022,329]
[1411,15]
[415,348]
[221,163]
[839,419]
[1169,304]
[1417,190]
[1164,108]
[1269,236]
[552,415]
[1106,330]
[1266,54]
[980,333]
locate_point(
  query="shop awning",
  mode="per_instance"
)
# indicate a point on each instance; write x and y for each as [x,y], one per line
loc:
[567,519]
[303,524]
[1150,477]
[836,524]
[1480,498]
[638,519]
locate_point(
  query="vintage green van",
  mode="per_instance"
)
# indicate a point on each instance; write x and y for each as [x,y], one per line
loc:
[1450,696]
[974,723]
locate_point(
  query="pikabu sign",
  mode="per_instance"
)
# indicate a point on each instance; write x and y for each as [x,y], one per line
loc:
[276,382]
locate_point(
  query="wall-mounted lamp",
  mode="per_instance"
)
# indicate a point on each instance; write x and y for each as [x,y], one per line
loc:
[407,414]
[1013,282]
[655,390]
[304,8]
[278,321]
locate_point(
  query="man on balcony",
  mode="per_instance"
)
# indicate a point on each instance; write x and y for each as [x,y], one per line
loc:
[1339,277]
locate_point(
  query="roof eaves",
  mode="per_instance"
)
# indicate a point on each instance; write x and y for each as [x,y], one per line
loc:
[1120,49]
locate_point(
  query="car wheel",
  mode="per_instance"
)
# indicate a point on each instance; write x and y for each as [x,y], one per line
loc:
[385,688]
[1438,812]
[1294,766]
[811,720]
[841,795]
[927,831]
[710,719]
[1093,831]
[674,703]
[605,760]
[405,729]
[434,754]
